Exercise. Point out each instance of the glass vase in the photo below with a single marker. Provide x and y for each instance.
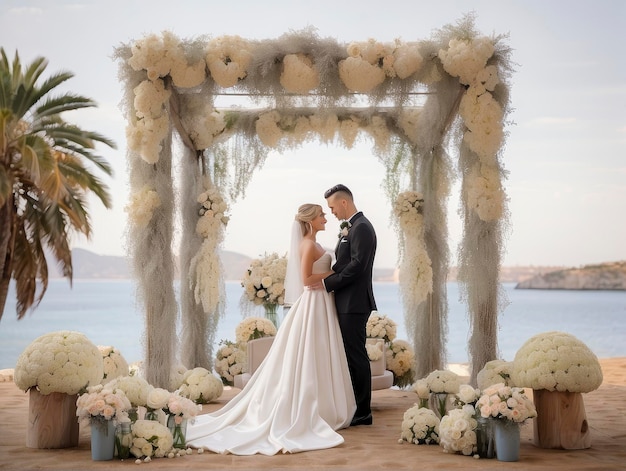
(102, 440)
(271, 313)
(178, 428)
(123, 440)
(485, 441)
(152, 415)
(439, 403)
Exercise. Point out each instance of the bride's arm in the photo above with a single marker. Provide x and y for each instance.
(308, 254)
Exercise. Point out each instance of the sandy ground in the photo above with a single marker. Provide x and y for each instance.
(373, 447)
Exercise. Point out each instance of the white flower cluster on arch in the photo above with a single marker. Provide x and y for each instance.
(416, 101)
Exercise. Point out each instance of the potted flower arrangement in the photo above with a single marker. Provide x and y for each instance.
(559, 368)
(511, 407)
(399, 358)
(254, 328)
(230, 361)
(443, 385)
(54, 368)
(201, 386)
(420, 426)
(102, 408)
(264, 283)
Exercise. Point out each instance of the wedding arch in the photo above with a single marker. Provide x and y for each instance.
(434, 109)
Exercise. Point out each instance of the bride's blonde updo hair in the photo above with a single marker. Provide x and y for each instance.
(306, 213)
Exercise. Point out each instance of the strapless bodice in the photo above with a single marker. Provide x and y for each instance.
(322, 264)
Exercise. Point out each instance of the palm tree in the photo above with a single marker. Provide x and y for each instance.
(46, 173)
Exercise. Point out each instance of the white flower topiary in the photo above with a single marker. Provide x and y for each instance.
(64, 362)
(556, 361)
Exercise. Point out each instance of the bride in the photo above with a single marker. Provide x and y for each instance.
(301, 393)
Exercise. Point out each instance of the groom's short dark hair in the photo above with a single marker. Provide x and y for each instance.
(331, 191)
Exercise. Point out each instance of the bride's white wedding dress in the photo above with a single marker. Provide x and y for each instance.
(298, 397)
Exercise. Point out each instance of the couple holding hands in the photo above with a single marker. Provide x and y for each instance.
(316, 377)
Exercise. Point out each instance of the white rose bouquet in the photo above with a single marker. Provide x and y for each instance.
(457, 431)
(379, 326)
(264, 281)
(114, 363)
(420, 426)
(400, 358)
(156, 402)
(63, 362)
(467, 395)
(200, 386)
(505, 402)
(102, 403)
(556, 361)
(231, 361)
(254, 328)
(423, 391)
(150, 438)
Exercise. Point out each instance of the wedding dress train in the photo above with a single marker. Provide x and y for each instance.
(298, 397)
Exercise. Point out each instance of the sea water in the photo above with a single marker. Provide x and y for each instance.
(108, 313)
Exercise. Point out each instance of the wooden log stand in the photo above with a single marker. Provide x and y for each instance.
(561, 421)
(52, 421)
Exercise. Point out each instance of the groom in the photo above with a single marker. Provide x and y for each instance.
(354, 296)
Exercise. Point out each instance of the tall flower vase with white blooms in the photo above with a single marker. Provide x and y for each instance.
(443, 385)
(264, 285)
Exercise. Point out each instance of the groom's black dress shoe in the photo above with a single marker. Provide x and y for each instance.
(365, 420)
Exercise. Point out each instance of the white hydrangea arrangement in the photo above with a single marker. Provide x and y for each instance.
(379, 326)
(101, 403)
(420, 387)
(505, 402)
(62, 362)
(231, 361)
(457, 431)
(400, 359)
(264, 281)
(114, 363)
(494, 372)
(135, 388)
(201, 386)
(254, 328)
(150, 438)
(556, 361)
(177, 374)
(420, 426)
(443, 381)
(299, 74)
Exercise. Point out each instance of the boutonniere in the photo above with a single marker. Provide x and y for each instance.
(344, 228)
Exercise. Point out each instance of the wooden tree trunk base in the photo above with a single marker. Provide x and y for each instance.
(52, 421)
(561, 421)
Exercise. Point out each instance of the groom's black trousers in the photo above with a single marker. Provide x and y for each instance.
(353, 332)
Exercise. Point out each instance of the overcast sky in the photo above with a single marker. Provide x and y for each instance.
(565, 151)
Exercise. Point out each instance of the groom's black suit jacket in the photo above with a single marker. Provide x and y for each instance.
(352, 280)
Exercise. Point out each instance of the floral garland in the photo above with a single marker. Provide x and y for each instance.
(380, 327)
(416, 274)
(206, 266)
(113, 362)
(63, 362)
(200, 386)
(483, 117)
(254, 328)
(231, 360)
(400, 361)
(264, 281)
(556, 361)
(420, 426)
(142, 205)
